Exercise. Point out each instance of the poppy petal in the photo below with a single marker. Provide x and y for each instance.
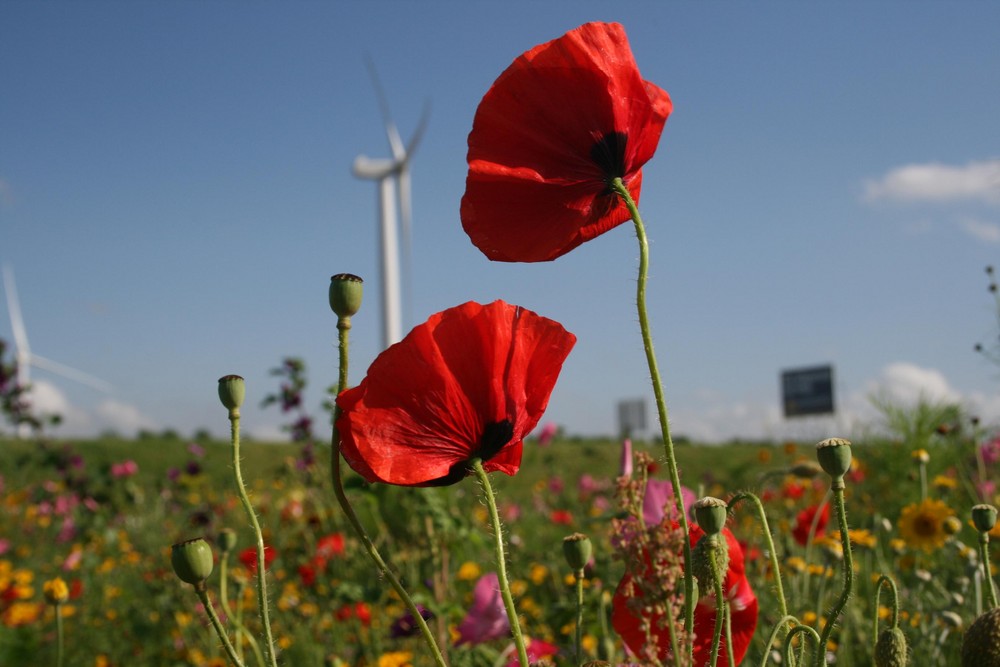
(470, 382)
(559, 123)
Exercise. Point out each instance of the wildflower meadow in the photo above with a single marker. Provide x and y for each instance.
(383, 535)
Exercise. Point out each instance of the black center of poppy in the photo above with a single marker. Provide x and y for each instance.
(495, 436)
(609, 154)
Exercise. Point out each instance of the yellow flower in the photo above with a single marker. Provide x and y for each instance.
(395, 659)
(21, 613)
(920, 456)
(945, 483)
(921, 525)
(538, 574)
(468, 571)
(796, 564)
(56, 591)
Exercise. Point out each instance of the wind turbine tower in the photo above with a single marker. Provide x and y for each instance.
(393, 177)
(24, 358)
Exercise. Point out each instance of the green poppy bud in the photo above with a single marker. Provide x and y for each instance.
(227, 540)
(232, 391)
(701, 564)
(984, 517)
(192, 561)
(981, 645)
(345, 294)
(805, 469)
(834, 455)
(710, 513)
(577, 549)
(890, 649)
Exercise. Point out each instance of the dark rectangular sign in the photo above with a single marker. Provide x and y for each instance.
(807, 391)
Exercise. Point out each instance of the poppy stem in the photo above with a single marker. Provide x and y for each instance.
(619, 187)
(234, 419)
(720, 598)
(848, 567)
(59, 635)
(343, 329)
(894, 619)
(206, 602)
(508, 599)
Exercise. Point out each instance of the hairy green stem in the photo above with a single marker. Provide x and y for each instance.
(508, 599)
(768, 539)
(788, 620)
(848, 567)
(262, 605)
(202, 592)
(619, 187)
(579, 614)
(343, 328)
(720, 598)
(984, 558)
(894, 620)
(806, 630)
(59, 635)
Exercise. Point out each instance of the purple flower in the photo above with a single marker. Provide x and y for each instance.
(990, 451)
(486, 619)
(406, 625)
(196, 449)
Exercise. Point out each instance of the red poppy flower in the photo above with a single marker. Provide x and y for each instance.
(330, 546)
(742, 605)
(804, 521)
(471, 382)
(555, 128)
(249, 557)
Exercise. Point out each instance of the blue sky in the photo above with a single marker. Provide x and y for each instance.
(176, 190)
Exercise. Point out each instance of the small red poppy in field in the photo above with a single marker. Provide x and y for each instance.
(469, 383)
(804, 521)
(742, 603)
(563, 121)
(330, 546)
(249, 557)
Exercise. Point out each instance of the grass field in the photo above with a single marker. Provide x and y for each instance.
(76, 511)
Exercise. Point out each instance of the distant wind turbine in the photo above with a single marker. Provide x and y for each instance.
(393, 176)
(24, 358)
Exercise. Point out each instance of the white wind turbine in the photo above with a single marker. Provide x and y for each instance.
(24, 358)
(393, 176)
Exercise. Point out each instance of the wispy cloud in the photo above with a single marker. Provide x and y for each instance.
(934, 182)
(980, 229)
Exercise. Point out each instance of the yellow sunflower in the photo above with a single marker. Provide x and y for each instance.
(922, 525)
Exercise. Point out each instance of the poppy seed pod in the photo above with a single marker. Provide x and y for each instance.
(805, 469)
(227, 540)
(232, 391)
(834, 455)
(192, 561)
(981, 645)
(711, 514)
(345, 294)
(577, 550)
(890, 649)
(984, 517)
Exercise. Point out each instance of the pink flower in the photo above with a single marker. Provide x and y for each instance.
(487, 619)
(626, 462)
(659, 501)
(124, 469)
(990, 451)
(546, 435)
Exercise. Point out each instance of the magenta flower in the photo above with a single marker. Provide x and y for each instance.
(546, 435)
(487, 619)
(990, 451)
(659, 501)
(124, 469)
(537, 649)
(625, 470)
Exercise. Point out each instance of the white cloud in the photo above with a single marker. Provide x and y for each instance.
(908, 383)
(123, 418)
(980, 229)
(47, 399)
(933, 182)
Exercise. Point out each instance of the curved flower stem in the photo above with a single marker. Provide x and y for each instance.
(787, 619)
(234, 419)
(845, 542)
(894, 622)
(768, 539)
(508, 600)
(237, 617)
(219, 630)
(984, 558)
(619, 187)
(806, 630)
(343, 329)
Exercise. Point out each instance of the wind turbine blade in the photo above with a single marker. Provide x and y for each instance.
(14, 308)
(395, 141)
(69, 373)
(418, 134)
